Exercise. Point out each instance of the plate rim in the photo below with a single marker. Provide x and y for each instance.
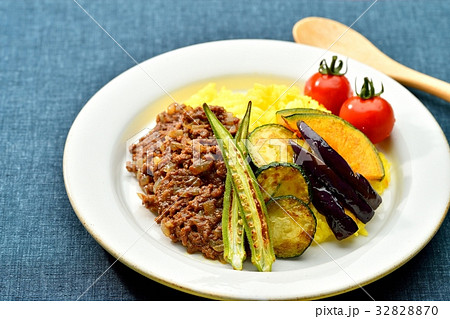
(129, 264)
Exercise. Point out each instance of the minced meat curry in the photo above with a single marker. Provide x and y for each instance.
(181, 171)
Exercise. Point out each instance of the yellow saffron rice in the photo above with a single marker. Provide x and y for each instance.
(266, 100)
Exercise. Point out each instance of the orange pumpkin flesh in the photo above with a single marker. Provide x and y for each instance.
(349, 142)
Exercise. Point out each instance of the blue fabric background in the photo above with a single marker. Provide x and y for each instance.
(53, 58)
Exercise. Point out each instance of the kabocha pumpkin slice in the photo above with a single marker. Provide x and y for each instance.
(297, 110)
(280, 179)
(270, 143)
(293, 226)
(349, 142)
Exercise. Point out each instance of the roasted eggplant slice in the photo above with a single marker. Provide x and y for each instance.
(326, 204)
(338, 164)
(349, 142)
(315, 168)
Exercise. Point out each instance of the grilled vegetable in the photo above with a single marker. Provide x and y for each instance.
(251, 203)
(280, 179)
(232, 228)
(269, 143)
(293, 226)
(339, 165)
(326, 204)
(355, 148)
(297, 110)
(315, 168)
(232, 224)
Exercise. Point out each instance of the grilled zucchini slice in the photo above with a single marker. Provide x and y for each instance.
(281, 179)
(293, 226)
(270, 143)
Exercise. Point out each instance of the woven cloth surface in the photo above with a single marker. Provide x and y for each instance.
(54, 57)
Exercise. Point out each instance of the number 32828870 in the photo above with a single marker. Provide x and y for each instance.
(406, 310)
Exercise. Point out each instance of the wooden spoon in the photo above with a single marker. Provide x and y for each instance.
(322, 32)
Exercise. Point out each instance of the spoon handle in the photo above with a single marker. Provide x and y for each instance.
(418, 80)
(321, 32)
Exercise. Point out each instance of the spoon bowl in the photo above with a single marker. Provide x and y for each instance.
(337, 37)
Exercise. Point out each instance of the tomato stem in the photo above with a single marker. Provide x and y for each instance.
(333, 69)
(368, 91)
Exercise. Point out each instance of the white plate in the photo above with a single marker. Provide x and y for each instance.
(103, 193)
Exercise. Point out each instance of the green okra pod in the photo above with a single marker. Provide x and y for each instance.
(252, 207)
(232, 224)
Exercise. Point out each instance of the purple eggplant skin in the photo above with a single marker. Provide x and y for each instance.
(339, 165)
(340, 223)
(314, 167)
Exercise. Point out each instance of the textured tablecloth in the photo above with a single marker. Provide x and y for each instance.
(53, 58)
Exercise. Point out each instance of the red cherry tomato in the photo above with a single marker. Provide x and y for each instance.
(370, 113)
(328, 86)
(329, 90)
